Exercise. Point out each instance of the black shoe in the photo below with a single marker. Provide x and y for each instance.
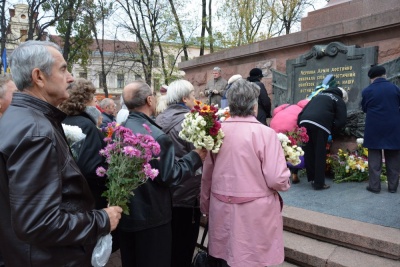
(325, 186)
(375, 191)
(392, 190)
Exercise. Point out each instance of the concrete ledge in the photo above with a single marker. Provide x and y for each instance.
(306, 251)
(365, 237)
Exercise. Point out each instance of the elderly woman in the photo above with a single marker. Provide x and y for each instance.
(240, 184)
(7, 88)
(185, 212)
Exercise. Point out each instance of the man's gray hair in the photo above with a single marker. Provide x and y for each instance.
(242, 96)
(217, 69)
(4, 79)
(177, 90)
(30, 55)
(139, 97)
(106, 102)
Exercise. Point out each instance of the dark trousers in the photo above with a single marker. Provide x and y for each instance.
(146, 248)
(185, 230)
(315, 154)
(392, 162)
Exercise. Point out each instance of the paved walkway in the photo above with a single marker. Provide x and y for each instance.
(347, 200)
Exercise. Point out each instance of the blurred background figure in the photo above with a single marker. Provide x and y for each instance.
(239, 187)
(264, 102)
(109, 108)
(7, 88)
(224, 100)
(215, 87)
(123, 113)
(163, 89)
(284, 120)
(185, 202)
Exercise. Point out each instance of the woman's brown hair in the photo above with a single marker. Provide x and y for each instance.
(81, 92)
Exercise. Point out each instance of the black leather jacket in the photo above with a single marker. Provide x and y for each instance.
(151, 204)
(186, 193)
(47, 216)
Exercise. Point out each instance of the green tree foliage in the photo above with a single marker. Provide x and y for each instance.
(75, 32)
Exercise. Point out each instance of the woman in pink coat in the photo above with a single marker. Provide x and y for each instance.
(284, 120)
(239, 187)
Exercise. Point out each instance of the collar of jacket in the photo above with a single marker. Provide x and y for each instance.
(141, 115)
(249, 119)
(27, 101)
(110, 116)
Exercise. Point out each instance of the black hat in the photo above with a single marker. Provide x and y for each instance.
(376, 71)
(256, 72)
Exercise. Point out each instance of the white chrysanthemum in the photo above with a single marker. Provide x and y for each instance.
(73, 133)
(360, 141)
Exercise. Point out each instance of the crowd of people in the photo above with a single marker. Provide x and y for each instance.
(53, 211)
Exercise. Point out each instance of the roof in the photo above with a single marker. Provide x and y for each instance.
(108, 45)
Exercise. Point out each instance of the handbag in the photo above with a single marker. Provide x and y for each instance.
(201, 258)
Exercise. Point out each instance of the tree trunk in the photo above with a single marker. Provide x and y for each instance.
(203, 26)
(178, 24)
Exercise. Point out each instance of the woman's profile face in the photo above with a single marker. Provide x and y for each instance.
(189, 101)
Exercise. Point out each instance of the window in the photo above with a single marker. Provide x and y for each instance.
(156, 61)
(120, 80)
(83, 75)
(101, 80)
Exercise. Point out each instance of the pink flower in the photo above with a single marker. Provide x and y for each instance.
(147, 128)
(101, 172)
(131, 152)
(149, 172)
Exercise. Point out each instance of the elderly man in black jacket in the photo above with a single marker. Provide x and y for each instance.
(47, 210)
(145, 234)
(324, 114)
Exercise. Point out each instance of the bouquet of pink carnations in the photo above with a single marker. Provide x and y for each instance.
(128, 156)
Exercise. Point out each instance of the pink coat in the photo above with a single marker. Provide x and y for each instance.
(284, 117)
(246, 227)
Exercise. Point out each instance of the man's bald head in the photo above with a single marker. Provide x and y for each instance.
(135, 95)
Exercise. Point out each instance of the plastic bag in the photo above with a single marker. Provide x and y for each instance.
(102, 251)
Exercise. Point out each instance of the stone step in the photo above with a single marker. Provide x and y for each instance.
(306, 251)
(337, 234)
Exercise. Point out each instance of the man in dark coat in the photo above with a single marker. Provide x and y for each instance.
(325, 114)
(47, 210)
(381, 102)
(145, 234)
(264, 102)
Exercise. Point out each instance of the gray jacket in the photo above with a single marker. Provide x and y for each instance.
(185, 193)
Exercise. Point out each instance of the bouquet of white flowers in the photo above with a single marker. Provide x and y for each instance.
(292, 152)
(75, 138)
(202, 128)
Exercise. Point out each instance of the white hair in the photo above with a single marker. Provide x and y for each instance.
(177, 90)
(234, 78)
